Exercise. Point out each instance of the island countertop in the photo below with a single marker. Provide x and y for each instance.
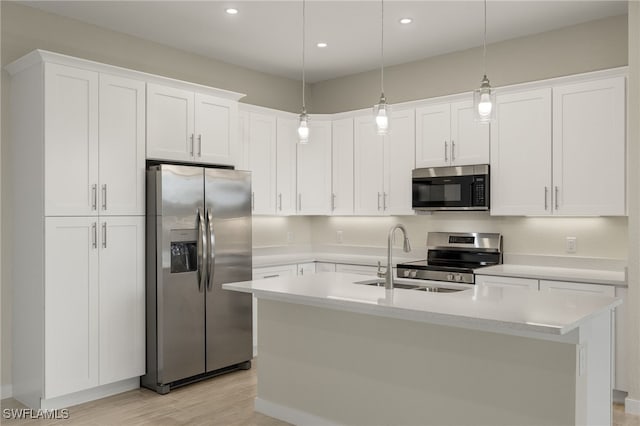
(501, 310)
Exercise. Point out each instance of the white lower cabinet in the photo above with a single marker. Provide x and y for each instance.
(510, 282)
(356, 269)
(94, 302)
(306, 268)
(325, 267)
(574, 287)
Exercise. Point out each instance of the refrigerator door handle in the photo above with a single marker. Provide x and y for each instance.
(201, 250)
(212, 251)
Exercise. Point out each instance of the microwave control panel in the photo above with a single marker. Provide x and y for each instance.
(479, 193)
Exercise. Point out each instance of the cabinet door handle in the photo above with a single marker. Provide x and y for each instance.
(446, 151)
(546, 197)
(200, 145)
(104, 234)
(300, 202)
(253, 201)
(280, 201)
(384, 201)
(333, 202)
(94, 235)
(453, 150)
(378, 201)
(191, 152)
(94, 197)
(556, 200)
(301, 271)
(104, 196)
(271, 276)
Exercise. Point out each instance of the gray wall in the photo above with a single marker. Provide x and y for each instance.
(586, 47)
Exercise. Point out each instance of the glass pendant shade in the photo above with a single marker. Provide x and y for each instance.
(484, 101)
(303, 129)
(382, 113)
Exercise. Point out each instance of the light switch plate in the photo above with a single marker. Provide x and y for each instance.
(571, 244)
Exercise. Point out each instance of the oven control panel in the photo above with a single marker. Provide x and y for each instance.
(456, 277)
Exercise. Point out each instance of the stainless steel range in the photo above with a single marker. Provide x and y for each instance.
(452, 257)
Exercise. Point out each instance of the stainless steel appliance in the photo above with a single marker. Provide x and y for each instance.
(198, 237)
(451, 188)
(452, 257)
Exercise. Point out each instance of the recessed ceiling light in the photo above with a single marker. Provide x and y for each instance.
(322, 44)
(406, 21)
(232, 11)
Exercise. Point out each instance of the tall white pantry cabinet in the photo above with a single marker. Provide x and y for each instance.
(78, 142)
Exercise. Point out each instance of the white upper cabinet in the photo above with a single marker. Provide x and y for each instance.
(286, 158)
(589, 163)
(121, 141)
(368, 167)
(566, 160)
(399, 162)
(521, 154)
(314, 170)
(169, 123)
(94, 143)
(262, 162)
(448, 135)
(187, 126)
(71, 141)
(216, 130)
(342, 167)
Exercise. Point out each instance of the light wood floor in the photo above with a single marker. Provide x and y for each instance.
(225, 400)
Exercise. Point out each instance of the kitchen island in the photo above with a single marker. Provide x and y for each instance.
(335, 352)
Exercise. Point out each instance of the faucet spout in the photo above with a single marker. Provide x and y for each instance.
(406, 247)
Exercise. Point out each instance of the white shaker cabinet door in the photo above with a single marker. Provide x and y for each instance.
(314, 170)
(122, 302)
(342, 167)
(262, 163)
(287, 139)
(469, 138)
(399, 162)
(71, 305)
(170, 123)
(122, 146)
(368, 168)
(216, 130)
(589, 162)
(521, 154)
(433, 141)
(71, 141)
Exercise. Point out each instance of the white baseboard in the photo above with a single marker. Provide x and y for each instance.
(290, 415)
(632, 406)
(89, 394)
(6, 391)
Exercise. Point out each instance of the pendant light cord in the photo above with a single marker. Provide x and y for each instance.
(382, 47)
(304, 109)
(484, 43)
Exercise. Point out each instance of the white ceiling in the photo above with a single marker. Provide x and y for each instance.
(266, 35)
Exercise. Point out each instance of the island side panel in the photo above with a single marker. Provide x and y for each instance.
(349, 368)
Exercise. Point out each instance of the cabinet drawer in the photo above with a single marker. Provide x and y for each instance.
(494, 281)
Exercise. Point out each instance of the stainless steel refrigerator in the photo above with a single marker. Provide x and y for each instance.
(198, 238)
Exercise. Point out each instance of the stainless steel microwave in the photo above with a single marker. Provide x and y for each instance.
(451, 188)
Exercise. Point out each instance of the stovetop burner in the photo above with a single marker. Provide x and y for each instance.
(454, 256)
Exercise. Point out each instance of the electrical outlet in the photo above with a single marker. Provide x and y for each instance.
(339, 236)
(571, 244)
(289, 236)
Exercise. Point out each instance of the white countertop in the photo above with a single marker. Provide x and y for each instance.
(502, 310)
(352, 259)
(553, 273)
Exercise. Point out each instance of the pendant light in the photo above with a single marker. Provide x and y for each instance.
(303, 127)
(484, 97)
(382, 110)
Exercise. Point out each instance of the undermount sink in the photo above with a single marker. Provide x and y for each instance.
(416, 287)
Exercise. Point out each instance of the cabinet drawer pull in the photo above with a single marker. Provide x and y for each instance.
(446, 151)
(453, 150)
(556, 201)
(191, 151)
(94, 197)
(271, 276)
(104, 196)
(378, 201)
(546, 197)
(280, 201)
(200, 145)
(384, 201)
(104, 234)
(94, 235)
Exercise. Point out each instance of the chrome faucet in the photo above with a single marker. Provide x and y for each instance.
(388, 274)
